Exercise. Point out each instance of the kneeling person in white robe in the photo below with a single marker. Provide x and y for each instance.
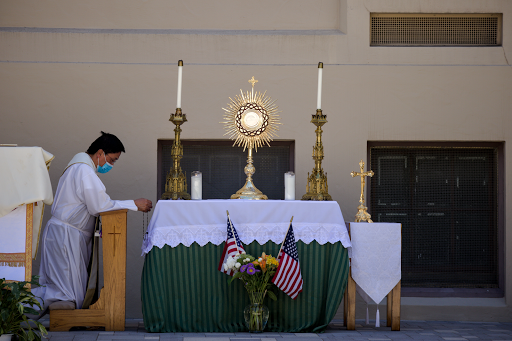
(67, 238)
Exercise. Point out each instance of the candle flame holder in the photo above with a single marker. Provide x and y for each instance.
(316, 188)
(176, 181)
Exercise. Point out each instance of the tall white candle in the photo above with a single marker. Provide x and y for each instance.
(289, 186)
(197, 185)
(319, 95)
(180, 72)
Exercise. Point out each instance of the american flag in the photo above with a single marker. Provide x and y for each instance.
(230, 247)
(288, 277)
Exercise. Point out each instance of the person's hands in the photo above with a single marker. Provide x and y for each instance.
(144, 205)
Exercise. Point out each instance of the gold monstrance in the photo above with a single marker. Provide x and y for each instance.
(176, 181)
(362, 214)
(251, 120)
(316, 188)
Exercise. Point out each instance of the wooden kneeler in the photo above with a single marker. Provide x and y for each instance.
(109, 310)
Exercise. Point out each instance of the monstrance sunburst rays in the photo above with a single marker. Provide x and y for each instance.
(251, 120)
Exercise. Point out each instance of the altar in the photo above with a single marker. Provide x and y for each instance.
(183, 291)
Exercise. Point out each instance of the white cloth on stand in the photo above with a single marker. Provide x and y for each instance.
(24, 179)
(67, 238)
(376, 259)
(13, 229)
(184, 222)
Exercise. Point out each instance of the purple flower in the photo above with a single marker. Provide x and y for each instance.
(251, 270)
(242, 269)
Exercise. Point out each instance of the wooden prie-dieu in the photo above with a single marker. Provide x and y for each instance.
(109, 310)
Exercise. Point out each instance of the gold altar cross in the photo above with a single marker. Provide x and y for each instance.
(252, 81)
(114, 233)
(362, 214)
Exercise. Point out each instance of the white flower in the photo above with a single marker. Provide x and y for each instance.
(243, 252)
(246, 260)
(225, 267)
(237, 265)
(260, 259)
(230, 262)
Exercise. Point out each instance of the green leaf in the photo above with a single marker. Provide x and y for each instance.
(4, 314)
(16, 291)
(272, 295)
(42, 329)
(15, 301)
(32, 311)
(20, 307)
(237, 275)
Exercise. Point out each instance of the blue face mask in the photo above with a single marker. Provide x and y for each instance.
(106, 167)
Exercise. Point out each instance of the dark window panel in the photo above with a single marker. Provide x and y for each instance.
(222, 166)
(447, 202)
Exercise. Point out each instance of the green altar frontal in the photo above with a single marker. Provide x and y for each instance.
(183, 290)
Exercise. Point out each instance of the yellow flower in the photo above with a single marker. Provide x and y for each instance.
(272, 261)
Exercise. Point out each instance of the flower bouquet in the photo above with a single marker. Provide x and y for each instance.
(255, 274)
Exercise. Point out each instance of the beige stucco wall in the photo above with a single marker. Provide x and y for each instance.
(66, 77)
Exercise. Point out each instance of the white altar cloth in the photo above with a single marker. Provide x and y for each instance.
(376, 258)
(184, 222)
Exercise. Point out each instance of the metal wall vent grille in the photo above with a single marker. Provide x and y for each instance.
(435, 29)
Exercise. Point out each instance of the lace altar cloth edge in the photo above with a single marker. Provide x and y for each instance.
(248, 233)
(165, 227)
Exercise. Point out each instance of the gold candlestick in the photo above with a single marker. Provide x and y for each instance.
(362, 214)
(316, 188)
(176, 181)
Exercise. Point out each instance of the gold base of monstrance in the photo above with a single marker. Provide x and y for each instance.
(249, 191)
(251, 121)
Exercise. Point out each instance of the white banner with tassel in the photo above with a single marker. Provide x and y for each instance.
(376, 260)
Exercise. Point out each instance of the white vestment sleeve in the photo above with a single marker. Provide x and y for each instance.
(97, 200)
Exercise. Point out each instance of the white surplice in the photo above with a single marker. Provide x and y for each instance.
(67, 238)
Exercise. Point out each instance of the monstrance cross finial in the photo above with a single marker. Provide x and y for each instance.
(252, 81)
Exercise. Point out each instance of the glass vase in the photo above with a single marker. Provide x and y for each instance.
(256, 317)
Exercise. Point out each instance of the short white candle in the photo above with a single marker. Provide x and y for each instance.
(197, 185)
(180, 73)
(319, 95)
(289, 186)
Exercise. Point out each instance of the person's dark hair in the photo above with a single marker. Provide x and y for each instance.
(108, 142)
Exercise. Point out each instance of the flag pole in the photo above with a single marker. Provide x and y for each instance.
(231, 227)
(279, 253)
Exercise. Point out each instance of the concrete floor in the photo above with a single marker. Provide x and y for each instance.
(409, 330)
